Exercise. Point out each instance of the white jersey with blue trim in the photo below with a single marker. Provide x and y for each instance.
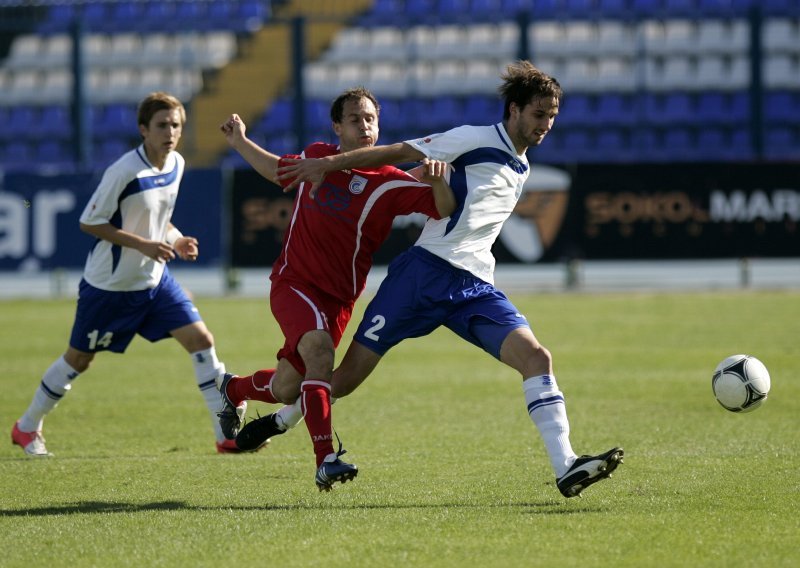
(136, 197)
(487, 180)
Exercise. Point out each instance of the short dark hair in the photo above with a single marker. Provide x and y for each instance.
(356, 93)
(522, 82)
(155, 102)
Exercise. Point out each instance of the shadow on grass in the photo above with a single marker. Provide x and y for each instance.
(94, 507)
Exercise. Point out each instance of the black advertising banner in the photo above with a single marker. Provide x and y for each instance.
(591, 212)
(261, 212)
(683, 211)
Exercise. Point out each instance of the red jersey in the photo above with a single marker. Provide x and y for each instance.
(331, 238)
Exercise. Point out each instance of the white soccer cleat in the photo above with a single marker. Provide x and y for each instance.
(31, 442)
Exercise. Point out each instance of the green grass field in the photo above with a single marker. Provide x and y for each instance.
(453, 472)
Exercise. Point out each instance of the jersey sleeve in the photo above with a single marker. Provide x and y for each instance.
(282, 162)
(104, 202)
(414, 197)
(447, 146)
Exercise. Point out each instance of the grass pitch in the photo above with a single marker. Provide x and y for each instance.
(453, 472)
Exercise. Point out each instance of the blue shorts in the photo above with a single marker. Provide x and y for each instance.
(422, 291)
(108, 321)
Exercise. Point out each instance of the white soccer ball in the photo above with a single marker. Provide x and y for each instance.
(741, 383)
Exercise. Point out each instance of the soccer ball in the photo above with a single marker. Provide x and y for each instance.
(740, 383)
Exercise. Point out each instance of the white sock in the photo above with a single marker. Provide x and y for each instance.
(206, 369)
(290, 415)
(56, 382)
(549, 413)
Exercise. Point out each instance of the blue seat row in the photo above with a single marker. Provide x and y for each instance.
(394, 12)
(241, 16)
(424, 115)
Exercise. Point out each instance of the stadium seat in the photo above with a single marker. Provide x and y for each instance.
(18, 155)
(55, 122)
(115, 120)
(59, 18)
(669, 109)
(576, 109)
(781, 106)
(614, 109)
(482, 110)
(53, 153)
(446, 113)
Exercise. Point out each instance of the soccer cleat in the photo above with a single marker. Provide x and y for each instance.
(588, 470)
(330, 472)
(230, 447)
(257, 432)
(231, 415)
(31, 442)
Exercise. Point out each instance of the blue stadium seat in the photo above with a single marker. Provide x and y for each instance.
(781, 106)
(482, 110)
(615, 109)
(158, 17)
(420, 11)
(613, 9)
(670, 108)
(384, 12)
(191, 15)
(284, 143)
(125, 16)
(713, 143)
(17, 155)
(781, 143)
(53, 153)
(780, 7)
(96, 16)
(613, 145)
(680, 8)
(391, 118)
(115, 120)
(453, 11)
(318, 116)
(278, 117)
(713, 107)
(647, 8)
(677, 144)
(576, 109)
(22, 122)
(107, 151)
(59, 18)
(577, 145)
(512, 8)
(446, 113)
(55, 122)
(488, 11)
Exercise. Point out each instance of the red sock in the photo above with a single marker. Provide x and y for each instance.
(316, 405)
(252, 387)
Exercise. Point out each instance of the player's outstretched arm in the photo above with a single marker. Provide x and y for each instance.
(313, 170)
(262, 161)
(156, 250)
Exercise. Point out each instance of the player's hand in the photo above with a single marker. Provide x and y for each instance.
(156, 250)
(187, 248)
(434, 171)
(234, 129)
(298, 171)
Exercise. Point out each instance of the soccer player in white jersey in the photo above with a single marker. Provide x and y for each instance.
(452, 262)
(126, 287)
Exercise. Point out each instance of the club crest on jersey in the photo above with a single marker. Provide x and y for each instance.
(358, 184)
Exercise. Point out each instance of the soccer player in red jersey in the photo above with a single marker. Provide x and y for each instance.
(322, 269)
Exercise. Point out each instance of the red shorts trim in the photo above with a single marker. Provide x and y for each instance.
(299, 308)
